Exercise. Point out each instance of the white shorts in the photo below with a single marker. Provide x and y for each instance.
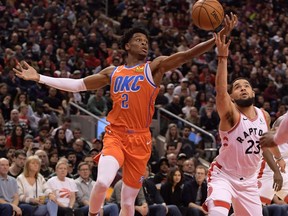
(224, 189)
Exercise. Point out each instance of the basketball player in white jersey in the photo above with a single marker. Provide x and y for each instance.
(232, 177)
(279, 137)
(265, 175)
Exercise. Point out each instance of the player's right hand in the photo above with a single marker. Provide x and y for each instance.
(24, 71)
(278, 181)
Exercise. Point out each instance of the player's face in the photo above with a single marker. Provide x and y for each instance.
(138, 45)
(242, 93)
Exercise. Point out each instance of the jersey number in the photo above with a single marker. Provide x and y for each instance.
(251, 150)
(124, 102)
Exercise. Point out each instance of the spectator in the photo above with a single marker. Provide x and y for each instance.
(17, 166)
(155, 202)
(188, 169)
(141, 206)
(172, 190)
(9, 197)
(195, 192)
(84, 184)
(97, 103)
(16, 139)
(66, 127)
(33, 189)
(3, 149)
(14, 120)
(45, 169)
(161, 176)
(173, 137)
(65, 190)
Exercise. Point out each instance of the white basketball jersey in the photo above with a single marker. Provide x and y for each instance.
(240, 152)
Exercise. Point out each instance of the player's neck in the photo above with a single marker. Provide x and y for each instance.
(132, 61)
(250, 111)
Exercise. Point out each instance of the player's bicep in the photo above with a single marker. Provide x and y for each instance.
(99, 80)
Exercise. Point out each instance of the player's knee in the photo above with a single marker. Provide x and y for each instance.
(101, 185)
(127, 206)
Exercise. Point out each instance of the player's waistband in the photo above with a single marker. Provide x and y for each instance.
(127, 130)
(215, 163)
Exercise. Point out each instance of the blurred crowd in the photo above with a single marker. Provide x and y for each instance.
(77, 38)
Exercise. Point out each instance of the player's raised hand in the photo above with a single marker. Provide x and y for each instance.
(267, 140)
(24, 71)
(222, 45)
(229, 23)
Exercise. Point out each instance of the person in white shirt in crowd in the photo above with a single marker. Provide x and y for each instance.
(33, 190)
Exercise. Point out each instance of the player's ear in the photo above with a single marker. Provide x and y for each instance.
(127, 46)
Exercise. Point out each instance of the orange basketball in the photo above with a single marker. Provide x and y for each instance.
(207, 14)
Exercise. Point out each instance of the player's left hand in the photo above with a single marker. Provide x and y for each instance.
(230, 22)
(278, 181)
(267, 140)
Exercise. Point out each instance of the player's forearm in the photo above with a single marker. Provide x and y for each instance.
(221, 75)
(270, 160)
(66, 84)
(281, 135)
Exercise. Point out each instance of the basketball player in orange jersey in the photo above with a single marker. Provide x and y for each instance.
(133, 87)
(232, 177)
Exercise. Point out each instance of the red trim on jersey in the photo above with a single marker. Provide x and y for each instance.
(265, 200)
(205, 207)
(261, 171)
(238, 122)
(222, 203)
(265, 117)
(286, 199)
(215, 163)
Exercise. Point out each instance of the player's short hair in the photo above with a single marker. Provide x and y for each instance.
(129, 34)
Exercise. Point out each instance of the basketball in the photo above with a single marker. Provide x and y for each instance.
(207, 14)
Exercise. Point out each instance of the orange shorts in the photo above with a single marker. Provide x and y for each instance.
(132, 149)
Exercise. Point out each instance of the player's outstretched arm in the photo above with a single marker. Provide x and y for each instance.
(27, 72)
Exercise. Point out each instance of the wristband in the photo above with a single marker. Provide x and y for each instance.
(278, 159)
(219, 56)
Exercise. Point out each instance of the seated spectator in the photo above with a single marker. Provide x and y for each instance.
(45, 169)
(141, 206)
(65, 190)
(85, 184)
(33, 189)
(161, 176)
(3, 149)
(195, 192)
(173, 137)
(172, 190)
(97, 104)
(188, 169)
(155, 202)
(17, 166)
(16, 138)
(9, 197)
(14, 121)
(61, 142)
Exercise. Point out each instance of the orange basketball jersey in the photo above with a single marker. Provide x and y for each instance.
(133, 93)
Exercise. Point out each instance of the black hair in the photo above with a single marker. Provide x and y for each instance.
(129, 34)
(238, 78)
